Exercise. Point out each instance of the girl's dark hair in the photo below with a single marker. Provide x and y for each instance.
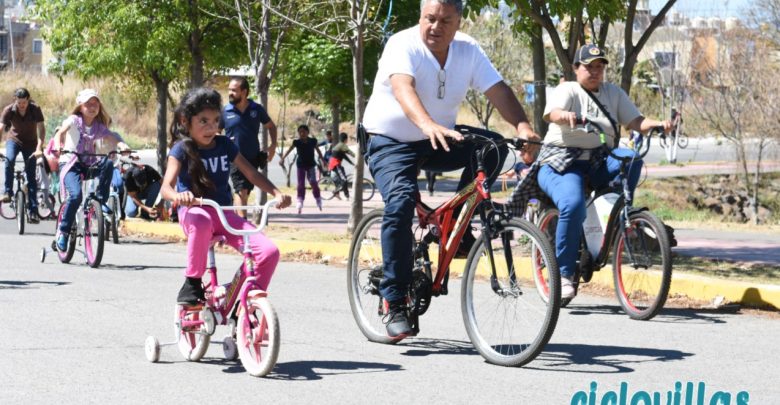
(191, 104)
(303, 126)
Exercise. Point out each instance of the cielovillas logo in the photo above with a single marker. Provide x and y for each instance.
(690, 394)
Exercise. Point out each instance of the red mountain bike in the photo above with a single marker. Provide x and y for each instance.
(506, 319)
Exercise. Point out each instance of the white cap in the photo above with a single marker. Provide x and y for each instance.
(85, 95)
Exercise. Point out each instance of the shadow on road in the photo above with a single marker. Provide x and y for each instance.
(691, 315)
(592, 359)
(427, 347)
(309, 370)
(16, 284)
(135, 267)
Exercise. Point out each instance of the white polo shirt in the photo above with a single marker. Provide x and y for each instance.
(467, 67)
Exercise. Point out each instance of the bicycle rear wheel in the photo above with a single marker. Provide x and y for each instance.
(327, 188)
(46, 203)
(93, 233)
(21, 212)
(547, 223)
(8, 210)
(257, 335)
(642, 266)
(506, 320)
(192, 341)
(682, 141)
(369, 188)
(364, 271)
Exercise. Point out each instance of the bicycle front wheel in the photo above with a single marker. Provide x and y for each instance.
(682, 141)
(369, 188)
(66, 255)
(364, 272)
(112, 226)
(642, 266)
(93, 233)
(506, 320)
(7, 210)
(257, 335)
(21, 212)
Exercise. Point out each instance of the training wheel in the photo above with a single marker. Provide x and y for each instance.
(43, 254)
(229, 348)
(152, 349)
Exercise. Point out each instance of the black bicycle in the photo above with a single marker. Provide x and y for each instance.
(642, 259)
(17, 208)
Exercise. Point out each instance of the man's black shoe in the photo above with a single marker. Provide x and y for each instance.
(397, 321)
(33, 218)
(465, 245)
(191, 293)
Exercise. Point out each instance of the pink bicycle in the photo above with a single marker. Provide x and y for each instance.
(240, 304)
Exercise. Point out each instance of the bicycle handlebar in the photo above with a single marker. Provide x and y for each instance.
(241, 232)
(479, 136)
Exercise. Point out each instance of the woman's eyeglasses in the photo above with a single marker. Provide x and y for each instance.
(442, 80)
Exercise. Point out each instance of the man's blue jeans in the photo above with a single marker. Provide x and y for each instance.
(11, 151)
(566, 189)
(394, 166)
(148, 196)
(72, 181)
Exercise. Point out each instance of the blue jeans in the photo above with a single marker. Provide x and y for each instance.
(566, 189)
(11, 151)
(394, 166)
(148, 196)
(72, 181)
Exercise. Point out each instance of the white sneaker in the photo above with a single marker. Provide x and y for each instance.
(299, 206)
(567, 288)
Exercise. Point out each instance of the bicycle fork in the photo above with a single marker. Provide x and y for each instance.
(506, 240)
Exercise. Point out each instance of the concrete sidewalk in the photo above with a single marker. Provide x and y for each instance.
(333, 219)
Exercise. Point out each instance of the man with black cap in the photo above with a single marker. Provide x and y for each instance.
(562, 170)
(142, 183)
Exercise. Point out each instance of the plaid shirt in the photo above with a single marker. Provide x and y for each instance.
(559, 158)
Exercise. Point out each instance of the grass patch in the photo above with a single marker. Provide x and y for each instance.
(738, 271)
(305, 234)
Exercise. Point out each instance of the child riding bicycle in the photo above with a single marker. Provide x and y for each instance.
(82, 132)
(340, 152)
(199, 166)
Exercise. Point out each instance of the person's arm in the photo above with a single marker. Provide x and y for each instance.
(284, 155)
(319, 153)
(168, 189)
(271, 127)
(643, 124)
(41, 139)
(60, 136)
(259, 180)
(138, 203)
(502, 97)
(405, 93)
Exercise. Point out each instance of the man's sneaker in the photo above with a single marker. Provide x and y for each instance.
(299, 206)
(62, 242)
(191, 293)
(33, 218)
(6, 198)
(319, 204)
(567, 288)
(465, 245)
(397, 321)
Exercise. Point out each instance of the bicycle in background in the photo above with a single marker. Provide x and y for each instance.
(17, 208)
(504, 317)
(253, 325)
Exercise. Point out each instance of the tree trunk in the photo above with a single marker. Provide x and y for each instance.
(262, 86)
(356, 46)
(335, 113)
(196, 65)
(540, 82)
(161, 87)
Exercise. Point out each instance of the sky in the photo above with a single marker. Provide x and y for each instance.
(707, 8)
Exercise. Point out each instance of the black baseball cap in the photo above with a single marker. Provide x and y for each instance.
(588, 53)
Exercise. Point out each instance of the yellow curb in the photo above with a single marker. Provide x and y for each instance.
(692, 286)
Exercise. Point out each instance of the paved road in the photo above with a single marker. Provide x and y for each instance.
(74, 335)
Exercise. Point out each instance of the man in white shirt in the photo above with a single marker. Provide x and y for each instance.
(423, 77)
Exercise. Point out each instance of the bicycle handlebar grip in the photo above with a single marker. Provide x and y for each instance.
(220, 212)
